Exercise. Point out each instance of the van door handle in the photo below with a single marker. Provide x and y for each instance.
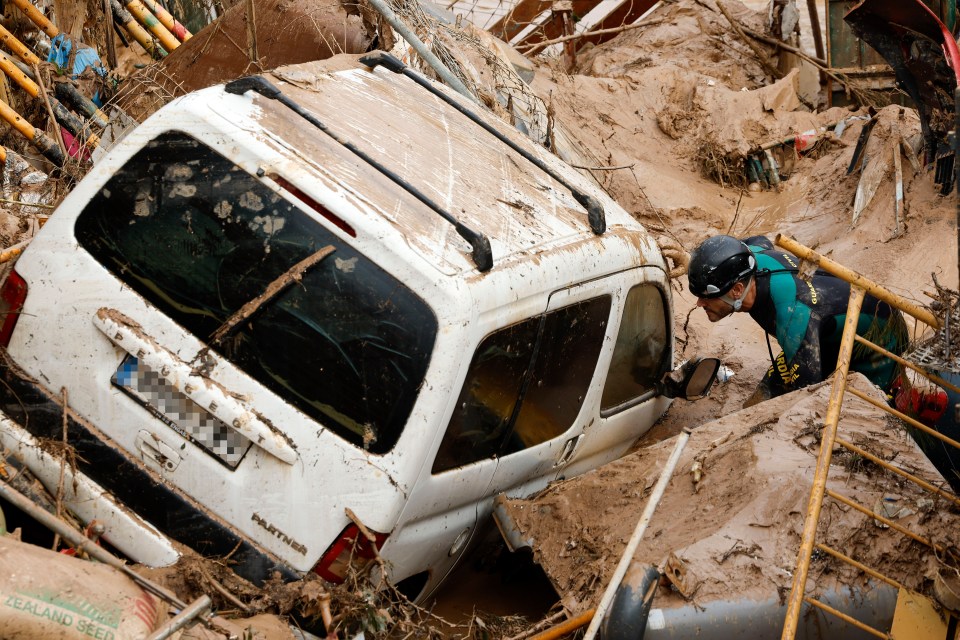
(569, 447)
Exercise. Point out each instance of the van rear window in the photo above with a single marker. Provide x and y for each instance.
(199, 238)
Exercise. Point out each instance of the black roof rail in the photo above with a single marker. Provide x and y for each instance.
(482, 255)
(595, 214)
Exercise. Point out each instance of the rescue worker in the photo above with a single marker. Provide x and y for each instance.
(806, 316)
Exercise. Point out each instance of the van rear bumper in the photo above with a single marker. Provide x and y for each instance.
(141, 513)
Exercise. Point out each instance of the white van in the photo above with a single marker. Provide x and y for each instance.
(333, 299)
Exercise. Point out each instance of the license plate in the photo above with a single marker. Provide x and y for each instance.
(179, 412)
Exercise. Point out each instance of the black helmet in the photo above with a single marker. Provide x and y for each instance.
(717, 264)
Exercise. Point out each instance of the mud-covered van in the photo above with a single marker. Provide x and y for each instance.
(322, 297)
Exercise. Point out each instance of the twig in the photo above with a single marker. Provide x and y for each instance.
(291, 275)
(222, 590)
(761, 57)
(817, 62)
(63, 467)
(546, 622)
(586, 34)
(53, 118)
(625, 166)
(783, 45)
(29, 204)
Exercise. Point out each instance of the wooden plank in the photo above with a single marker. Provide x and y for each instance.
(518, 18)
(627, 12)
(553, 27)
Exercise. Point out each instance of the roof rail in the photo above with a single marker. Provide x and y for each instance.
(595, 214)
(482, 255)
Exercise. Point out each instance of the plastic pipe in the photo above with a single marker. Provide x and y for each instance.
(18, 48)
(44, 145)
(37, 18)
(147, 19)
(137, 32)
(172, 24)
(638, 532)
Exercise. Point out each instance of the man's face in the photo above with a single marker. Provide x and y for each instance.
(716, 308)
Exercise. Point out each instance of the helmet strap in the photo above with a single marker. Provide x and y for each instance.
(736, 303)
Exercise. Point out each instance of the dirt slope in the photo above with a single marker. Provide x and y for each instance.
(740, 524)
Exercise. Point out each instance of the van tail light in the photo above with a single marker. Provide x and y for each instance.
(351, 551)
(12, 294)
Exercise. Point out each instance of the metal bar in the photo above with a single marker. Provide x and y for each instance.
(482, 254)
(197, 608)
(855, 278)
(627, 558)
(428, 56)
(926, 374)
(859, 565)
(890, 523)
(913, 423)
(846, 618)
(595, 213)
(81, 543)
(897, 470)
(823, 465)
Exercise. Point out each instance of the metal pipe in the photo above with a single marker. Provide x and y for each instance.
(79, 542)
(900, 472)
(855, 278)
(428, 56)
(197, 608)
(37, 18)
(859, 565)
(147, 19)
(564, 628)
(166, 19)
(638, 532)
(827, 438)
(595, 213)
(848, 619)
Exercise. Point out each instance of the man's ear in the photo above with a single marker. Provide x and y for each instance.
(736, 291)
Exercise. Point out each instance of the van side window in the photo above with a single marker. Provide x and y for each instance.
(526, 384)
(198, 237)
(640, 356)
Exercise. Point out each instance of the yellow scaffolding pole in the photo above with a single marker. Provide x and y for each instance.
(823, 464)
(859, 286)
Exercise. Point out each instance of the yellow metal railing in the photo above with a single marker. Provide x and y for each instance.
(859, 286)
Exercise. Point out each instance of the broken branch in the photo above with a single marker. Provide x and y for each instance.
(761, 57)
(291, 275)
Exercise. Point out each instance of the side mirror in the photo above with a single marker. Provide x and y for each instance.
(692, 380)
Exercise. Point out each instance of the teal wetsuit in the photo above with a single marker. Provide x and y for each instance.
(807, 318)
